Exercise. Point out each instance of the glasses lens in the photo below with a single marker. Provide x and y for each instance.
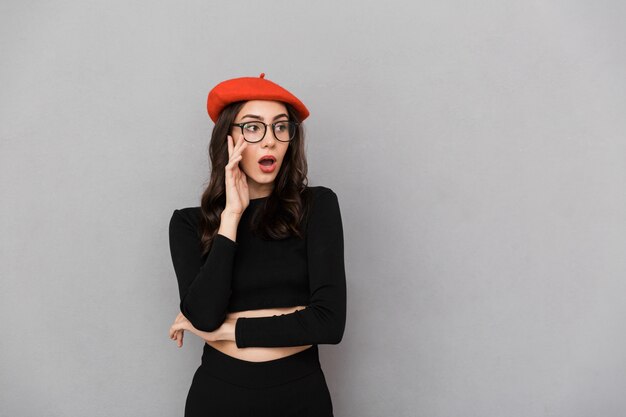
(253, 131)
(285, 131)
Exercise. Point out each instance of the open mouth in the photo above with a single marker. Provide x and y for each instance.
(267, 163)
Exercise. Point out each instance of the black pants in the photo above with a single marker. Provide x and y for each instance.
(292, 386)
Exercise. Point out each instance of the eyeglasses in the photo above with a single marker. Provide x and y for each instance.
(254, 132)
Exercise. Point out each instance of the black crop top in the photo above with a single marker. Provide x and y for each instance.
(252, 273)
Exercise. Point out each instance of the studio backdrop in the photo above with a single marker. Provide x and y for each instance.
(477, 150)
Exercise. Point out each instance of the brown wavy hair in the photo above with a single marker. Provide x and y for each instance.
(286, 208)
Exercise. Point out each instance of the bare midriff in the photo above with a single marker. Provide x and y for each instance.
(258, 354)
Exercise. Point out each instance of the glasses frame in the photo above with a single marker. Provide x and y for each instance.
(265, 125)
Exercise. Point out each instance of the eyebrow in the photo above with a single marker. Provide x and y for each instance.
(254, 116)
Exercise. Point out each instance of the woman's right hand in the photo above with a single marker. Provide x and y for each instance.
(237, 196)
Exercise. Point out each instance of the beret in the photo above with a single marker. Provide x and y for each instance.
(250, 88)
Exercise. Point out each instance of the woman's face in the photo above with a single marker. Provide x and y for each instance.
(261, 177)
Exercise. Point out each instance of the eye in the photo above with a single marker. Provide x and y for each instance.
(281, 126)
(251, 127)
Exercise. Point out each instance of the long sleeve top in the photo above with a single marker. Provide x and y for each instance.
(252, 273)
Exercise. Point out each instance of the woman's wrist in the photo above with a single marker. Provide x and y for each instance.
(227, 330)
(228, 225)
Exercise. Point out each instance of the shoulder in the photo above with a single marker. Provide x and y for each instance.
(318, 191)
(324, 199)
(324, 219)
(185, 217)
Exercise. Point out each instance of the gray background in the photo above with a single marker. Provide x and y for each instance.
(477, 149)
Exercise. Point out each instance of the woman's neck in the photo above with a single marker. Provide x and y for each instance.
(257, 192)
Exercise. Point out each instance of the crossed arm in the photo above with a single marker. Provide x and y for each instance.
(225, 332)
(205, 288)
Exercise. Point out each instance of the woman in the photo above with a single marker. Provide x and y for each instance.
(259, 263)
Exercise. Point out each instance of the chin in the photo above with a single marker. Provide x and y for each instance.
(265, 181)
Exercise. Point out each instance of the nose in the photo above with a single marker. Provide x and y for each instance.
(269, 139)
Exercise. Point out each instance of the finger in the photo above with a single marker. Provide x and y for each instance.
(239, 149)
(241, 143)
(241, 182)
(234, 159)
(173, 329)
(233, 162)
(229, 140)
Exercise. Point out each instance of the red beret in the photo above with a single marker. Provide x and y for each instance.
(250, 88)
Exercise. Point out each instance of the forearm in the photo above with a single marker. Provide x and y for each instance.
(228, 330)
(225, 332)
(316, 324)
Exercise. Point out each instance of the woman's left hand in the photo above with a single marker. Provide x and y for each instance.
(181, 323)
(177, 330)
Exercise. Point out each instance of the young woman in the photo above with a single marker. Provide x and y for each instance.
(260, 263)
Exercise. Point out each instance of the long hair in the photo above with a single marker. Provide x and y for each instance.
(284, 210)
